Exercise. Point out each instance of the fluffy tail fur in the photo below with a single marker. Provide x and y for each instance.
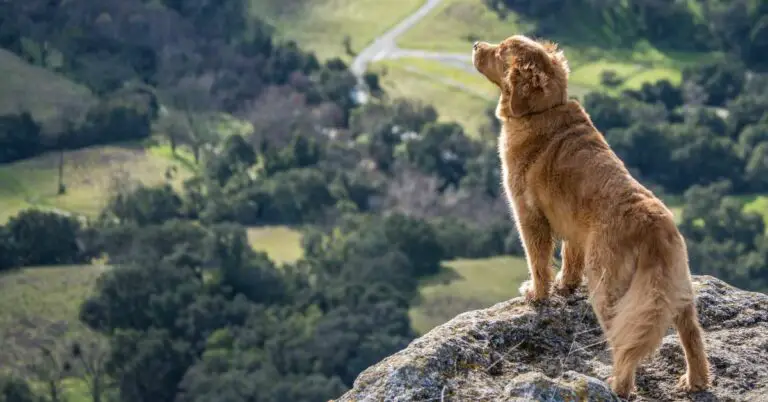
(644, 313)
(658, 290)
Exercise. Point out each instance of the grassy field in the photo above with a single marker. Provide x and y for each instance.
(88, 175)
(472, 81)
(321, 25)
(467, 285)
(281, 243)
(46, 102)
(452, 104)
(455, 24)
(42, 303)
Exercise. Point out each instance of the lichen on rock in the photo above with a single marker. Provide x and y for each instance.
(554, 351)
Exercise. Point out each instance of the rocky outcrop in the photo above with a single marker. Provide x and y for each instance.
(555, 352)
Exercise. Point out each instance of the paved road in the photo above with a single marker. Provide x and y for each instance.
(385, 44)
(385, 47)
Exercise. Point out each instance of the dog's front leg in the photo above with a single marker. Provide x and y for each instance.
(536, 236)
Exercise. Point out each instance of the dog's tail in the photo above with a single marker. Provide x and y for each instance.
(655, 295)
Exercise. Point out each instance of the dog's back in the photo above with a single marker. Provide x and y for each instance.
(565, 168)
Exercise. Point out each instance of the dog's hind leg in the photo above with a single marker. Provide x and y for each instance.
(572, 271)
(696, 377)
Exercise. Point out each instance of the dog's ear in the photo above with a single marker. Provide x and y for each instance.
(525, 82)
(557, 54)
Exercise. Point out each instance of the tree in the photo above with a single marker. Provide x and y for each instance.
(149, 365)
(91, 356)
(756, 171)
(8, 253)
(19, 137)
(145, 205)
(721, 80)
(15, 389)
(610, 78)
(724, 240)
(606, 111)
(194, 107)
(45, 238)
(50, 368)
(441, 149)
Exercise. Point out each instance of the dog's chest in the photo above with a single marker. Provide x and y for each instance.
(513, 166)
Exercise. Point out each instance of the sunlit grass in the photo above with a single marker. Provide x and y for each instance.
(466, 285)
(455, 24)
(451, 103)
(281, 243)
(320, 26)
(88, 175)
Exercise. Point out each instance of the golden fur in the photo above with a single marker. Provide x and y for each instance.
(564, 182)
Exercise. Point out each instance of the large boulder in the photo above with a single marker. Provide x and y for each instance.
(554, 351)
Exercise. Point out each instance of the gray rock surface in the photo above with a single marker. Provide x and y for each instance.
(554, 351)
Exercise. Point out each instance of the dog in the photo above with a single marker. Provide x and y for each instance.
(563, 182)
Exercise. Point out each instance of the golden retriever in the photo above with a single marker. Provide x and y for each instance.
(564, 182)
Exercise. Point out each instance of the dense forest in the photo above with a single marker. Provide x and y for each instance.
(735, 27)
(384, 192)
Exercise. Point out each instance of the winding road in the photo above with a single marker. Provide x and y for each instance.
(385, 47)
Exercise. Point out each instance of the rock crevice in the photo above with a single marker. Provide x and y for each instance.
(555, 351)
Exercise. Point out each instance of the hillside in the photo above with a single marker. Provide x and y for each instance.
(430, 59)
(45, 94)
(90, 175)
(322, 26)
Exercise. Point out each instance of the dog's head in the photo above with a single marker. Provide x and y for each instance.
(532, 75)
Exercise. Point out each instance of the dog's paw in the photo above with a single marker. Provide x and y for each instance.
(685, 384)
(563, 289)
(531, 293)
(622, 392)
